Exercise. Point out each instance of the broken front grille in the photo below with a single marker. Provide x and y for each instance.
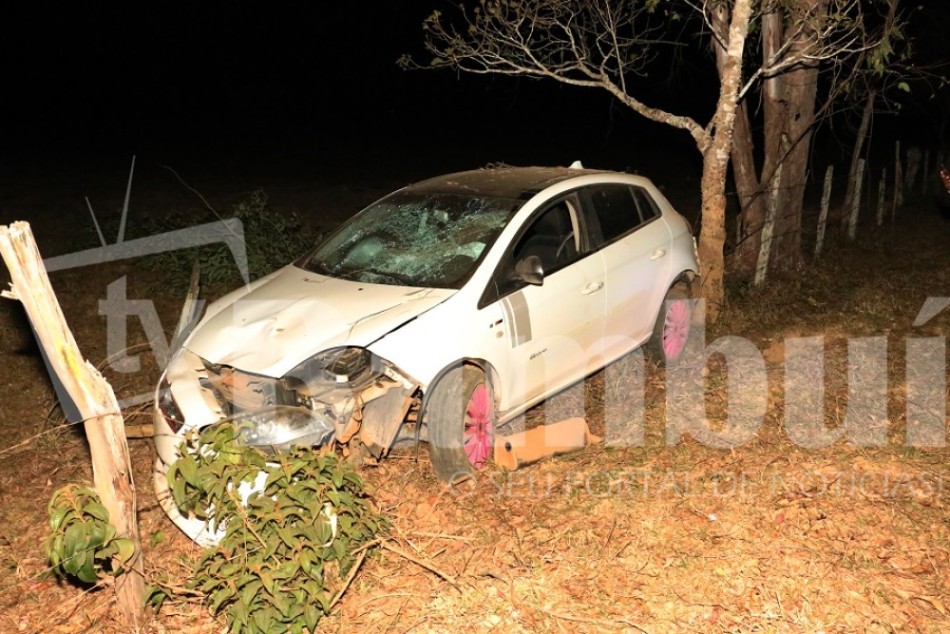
(238, 391)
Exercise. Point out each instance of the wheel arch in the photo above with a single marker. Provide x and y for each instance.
(485, 366)
(689, 277)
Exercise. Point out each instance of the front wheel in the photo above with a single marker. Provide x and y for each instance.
(673, 325)
(460, 416)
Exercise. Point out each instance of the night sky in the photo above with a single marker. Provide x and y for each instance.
(313, 80)
(88, 78)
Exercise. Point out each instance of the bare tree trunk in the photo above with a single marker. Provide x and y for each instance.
(881, 189)
(773, 96)
(88, 393)
(914, 156)
(788, 104)
(856, 153)
(768, 229)
(716, 161)
(898, 182)
(801, 91)
(856, 201)
(752, 200)
(799, 95)
(823, 215)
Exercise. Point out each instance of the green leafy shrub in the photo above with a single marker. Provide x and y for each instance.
(272, 239)
(286, 552)
(82, 544)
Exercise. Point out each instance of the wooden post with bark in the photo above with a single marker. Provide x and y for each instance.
(91, 396)
(823, 215)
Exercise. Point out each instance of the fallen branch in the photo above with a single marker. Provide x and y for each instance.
(422, 564)
(619, 624)
(349, 578)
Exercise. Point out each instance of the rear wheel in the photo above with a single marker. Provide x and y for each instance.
(460, 416)
(673, 325)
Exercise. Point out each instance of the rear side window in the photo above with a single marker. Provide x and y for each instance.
(615, 209)
(648, 207)
(618, 210)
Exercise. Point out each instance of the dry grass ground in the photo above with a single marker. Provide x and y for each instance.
(763, 537)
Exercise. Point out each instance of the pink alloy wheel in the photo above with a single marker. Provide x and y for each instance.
(676, 328)
(479, 427)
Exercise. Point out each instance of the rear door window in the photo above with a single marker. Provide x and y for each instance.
(617, 210)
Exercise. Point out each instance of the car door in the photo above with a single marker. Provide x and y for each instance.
(552, 326)
(634, 245)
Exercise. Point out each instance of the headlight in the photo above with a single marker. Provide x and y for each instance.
(277, 428)
(337, 366)
(168, 407)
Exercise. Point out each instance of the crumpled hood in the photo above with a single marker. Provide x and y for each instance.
(294, 314)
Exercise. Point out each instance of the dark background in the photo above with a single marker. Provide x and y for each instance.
(262, 88)
(287, 81)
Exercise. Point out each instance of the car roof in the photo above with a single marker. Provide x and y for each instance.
(501, 182)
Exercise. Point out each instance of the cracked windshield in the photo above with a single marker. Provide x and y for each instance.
(415, 239)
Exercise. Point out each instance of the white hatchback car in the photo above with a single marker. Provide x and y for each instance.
(440, 312)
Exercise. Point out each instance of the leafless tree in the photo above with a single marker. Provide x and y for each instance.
(609, 45)
(605, 45)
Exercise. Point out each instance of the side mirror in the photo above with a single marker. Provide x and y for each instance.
(530, 270)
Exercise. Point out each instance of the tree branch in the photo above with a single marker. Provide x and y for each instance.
(587, 44)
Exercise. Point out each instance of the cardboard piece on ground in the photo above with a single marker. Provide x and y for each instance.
(547, 440)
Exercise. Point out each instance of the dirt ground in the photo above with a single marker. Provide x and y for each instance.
(763, 537)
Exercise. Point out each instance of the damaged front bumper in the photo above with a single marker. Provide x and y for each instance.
(273, 414)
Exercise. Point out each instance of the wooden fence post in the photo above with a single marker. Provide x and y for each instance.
(881, 192)
(90, 395)
(768, 228)
(823, 216)
(898, 181)
(856, 202)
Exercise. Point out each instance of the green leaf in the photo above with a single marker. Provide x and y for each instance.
(311, 616)
(219, 597)
(74, 539)
(238, 614)
(325, 599)
(156, 538)
(155, 596)
(282, 604)
(57, 515)
(97, 510)
(87, 573)
(126, 549)
(263, 620)
(188, 469)
(249, 592)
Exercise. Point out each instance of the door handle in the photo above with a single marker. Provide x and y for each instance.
(591, 288)
(659, 253)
